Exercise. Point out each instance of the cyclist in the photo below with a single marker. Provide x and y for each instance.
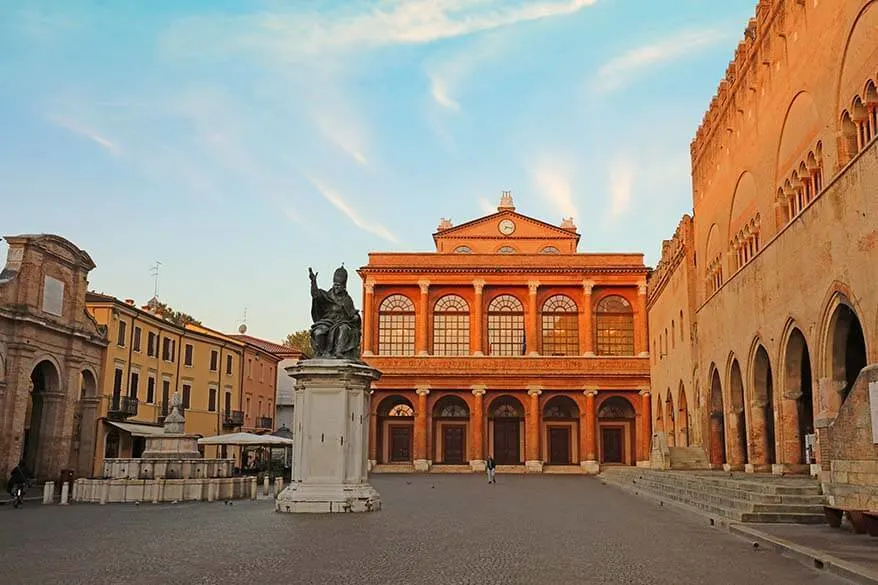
(18, 479)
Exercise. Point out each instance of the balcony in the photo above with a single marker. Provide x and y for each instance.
(121, 407)
(233, 418)
(264, 422)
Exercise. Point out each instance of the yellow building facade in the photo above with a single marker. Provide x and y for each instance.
(147, 360)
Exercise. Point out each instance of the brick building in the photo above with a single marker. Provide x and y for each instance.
(51, 352)
(764, 309)
(507, 341)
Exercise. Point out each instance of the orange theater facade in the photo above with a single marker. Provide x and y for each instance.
(506, 341)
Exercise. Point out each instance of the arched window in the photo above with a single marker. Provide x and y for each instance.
(506, 326)
(550, 250)
(451, 326)
(401, 410)
(506, 250)
(463, 250)
(615, 327)
(560, 326)
(396, 326)
(506, 407)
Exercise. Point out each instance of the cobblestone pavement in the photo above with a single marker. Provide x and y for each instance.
(554, 530)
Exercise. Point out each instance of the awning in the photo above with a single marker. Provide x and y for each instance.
(137, 430)
(245, 439)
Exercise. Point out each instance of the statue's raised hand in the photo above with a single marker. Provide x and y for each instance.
(312, 275)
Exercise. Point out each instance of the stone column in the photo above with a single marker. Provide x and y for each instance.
(422, 318)
(477, 429)
(645, 427)
(373, 440)
(737, 449)
(533, 462)
(588, 436)
(532, 326)
(586, 320)
(368, 316)
(475, 323)
(758, 438)
(717, 440)
(420, 461)
(640, 325)
(792, 446)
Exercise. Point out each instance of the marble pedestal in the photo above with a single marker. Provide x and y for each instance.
(330, 456)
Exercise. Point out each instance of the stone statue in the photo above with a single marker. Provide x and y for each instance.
(335, 333)
(175, 422)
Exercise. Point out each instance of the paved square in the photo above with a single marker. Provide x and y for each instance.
(437, 529)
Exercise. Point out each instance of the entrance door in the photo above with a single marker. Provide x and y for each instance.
(612, 445)
(506, 442)
(452, 445)
(559, 445)
(400, 444)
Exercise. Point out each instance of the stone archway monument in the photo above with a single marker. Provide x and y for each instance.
(331, 414)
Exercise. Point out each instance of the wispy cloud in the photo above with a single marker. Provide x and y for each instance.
(80, 129)
(486, 206)
(621, 184)
(339, 203)
(619, 71)
(45, 25)
(301, 33)
(553, 182)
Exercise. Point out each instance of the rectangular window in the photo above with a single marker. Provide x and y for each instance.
(187, 395)
(214, 360)
(249, 368)
(150, 390)
(166, 349)
(173, 350)
(152, 349)
(247, 410)
(117, 382)
(187, 355)
(120, 341)
(134, 383)
(136, 341)
(396, 333)
(261, 371)
(166, 397)
(211, 400)
(228, 364)
(228, 403)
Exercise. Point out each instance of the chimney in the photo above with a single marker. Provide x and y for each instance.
(506, 201)
(129, 302)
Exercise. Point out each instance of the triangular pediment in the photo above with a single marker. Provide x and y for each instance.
(506, 228)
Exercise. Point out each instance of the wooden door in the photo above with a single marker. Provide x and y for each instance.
(400, 444)
(506, 442)
(452, 445)
(559, 445)
(612, 445)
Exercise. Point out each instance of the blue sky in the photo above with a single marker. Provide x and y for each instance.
(238, 142)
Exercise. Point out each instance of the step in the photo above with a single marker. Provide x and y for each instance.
(393, 468)
(738, 492)
(447, 468)
(562, 469)
(770, 484)
(743, 496)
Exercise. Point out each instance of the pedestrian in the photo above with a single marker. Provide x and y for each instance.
(491, 467)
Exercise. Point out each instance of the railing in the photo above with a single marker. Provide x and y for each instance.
(264, 422)
(122, 407)
(233, 418)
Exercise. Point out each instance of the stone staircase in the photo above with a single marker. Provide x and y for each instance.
(739, 497)
(688, 458)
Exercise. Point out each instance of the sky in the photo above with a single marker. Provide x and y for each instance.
(238, 142)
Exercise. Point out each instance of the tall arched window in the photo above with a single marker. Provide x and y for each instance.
(396, 326)
(615, 327)
(451, 326)
(506, 326)
(560, 326)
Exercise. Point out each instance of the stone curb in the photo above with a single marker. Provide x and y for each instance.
(806, 555)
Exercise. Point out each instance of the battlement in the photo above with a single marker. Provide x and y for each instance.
(673, 251)
(753, 58)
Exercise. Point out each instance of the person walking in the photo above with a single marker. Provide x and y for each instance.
(491, 467)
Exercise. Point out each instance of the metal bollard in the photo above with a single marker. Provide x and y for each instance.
(49, 492)
(65, 493)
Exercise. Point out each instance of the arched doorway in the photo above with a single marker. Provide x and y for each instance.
(798, 399)
(40, 418)
(616, 417)
(682, 418)
(450, 424)
(737, 418)
(717, 421)
(762, 411)
(561, 421)
(670, 422)
(84, 421)
(396, 419)
(847, 350)
(505, 417)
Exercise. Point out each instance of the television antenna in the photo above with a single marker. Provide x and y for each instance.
(154, 271)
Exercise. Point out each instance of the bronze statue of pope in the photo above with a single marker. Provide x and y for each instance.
(335, 333)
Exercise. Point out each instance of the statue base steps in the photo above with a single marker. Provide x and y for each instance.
(323, 499)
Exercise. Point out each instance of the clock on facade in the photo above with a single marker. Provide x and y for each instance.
(506, 227)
